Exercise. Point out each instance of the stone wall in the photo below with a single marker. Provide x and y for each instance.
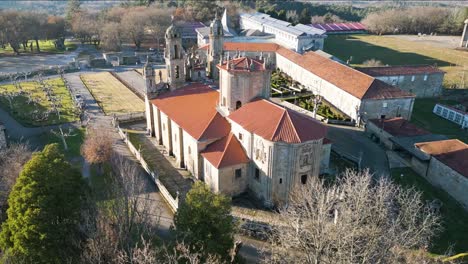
(325, 162)
(449, 180)
(230, 184)
(400, 107)
(419, 166)
(382, 135)
(422, 85)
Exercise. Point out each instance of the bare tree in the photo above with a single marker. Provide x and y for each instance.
(97, 147)
(12, 160)
(125, 220)
(64, 135)
(358, 219)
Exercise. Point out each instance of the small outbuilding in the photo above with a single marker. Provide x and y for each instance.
(421, 80)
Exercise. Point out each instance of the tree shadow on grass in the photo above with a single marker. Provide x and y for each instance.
(344, 47)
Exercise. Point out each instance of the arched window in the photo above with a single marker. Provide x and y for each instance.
(177, 72)
(176, 52)
(238, 105)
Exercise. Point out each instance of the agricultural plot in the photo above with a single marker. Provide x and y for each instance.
(38, 103)
(398, 51)
(111, 95)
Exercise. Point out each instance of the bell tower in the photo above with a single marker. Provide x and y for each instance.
(215, 52)
(150, 93)
(174, 56)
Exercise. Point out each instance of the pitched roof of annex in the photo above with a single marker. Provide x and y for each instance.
(225, 152)
(354, 82)
(277, 123)
(400, 70)
(193, 108)
(399, 127)
(451, 152)
(246, 46)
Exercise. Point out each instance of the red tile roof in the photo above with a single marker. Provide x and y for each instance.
(451, 152)
(250, 46)
(399, 127)
(243, 64)
(246, 46)
(225, 152)
(400, 70)
(276, 123)
(356, 83)
(193, 108)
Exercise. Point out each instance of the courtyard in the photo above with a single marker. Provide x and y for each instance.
(35, 104)
(111, 95)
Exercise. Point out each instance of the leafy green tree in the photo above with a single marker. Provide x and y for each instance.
(204, 221)
(46, 205)
(304, 17)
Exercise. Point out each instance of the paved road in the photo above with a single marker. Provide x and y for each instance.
(353, 141)
(98, 120)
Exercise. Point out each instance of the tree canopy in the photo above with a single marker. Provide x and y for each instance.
(45, 205)
(204, 222)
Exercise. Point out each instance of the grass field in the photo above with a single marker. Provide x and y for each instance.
(74, 142)
(23, 111)
(396, 51)
(454, 218)
(423, 117)
(112, 96)
(46, 46)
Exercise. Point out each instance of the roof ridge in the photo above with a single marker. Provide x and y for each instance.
(294, 127)
(228, 142)
(209, 123)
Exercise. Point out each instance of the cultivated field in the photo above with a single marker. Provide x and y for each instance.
(31, 105)
(112, 96)
(399, 51)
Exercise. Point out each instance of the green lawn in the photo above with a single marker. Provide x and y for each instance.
(27, 112)
(46, 46)
(455, 219)
(73, 142)
(423, 117)
(395, 51)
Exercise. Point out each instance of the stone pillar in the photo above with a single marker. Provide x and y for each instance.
(464, 39)
(3, 141)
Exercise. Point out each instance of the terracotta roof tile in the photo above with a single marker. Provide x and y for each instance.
(193, 108)
(356, 83)
(400, 70)
(246, 46)
(276, 123)
(243, 64)
(381, 90)
(451, 152)
(399, 127)
(225, 152)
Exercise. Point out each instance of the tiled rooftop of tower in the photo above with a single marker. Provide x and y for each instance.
(243, 64)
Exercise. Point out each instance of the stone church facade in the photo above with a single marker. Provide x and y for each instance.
(233, 138)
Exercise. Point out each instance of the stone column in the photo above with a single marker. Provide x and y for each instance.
(464, 38)
(3, 141)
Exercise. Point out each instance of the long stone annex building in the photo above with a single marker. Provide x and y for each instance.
(232, 138)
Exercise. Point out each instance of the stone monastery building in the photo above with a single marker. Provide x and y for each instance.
(232, 138)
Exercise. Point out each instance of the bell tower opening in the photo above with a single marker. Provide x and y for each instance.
(238, 104)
